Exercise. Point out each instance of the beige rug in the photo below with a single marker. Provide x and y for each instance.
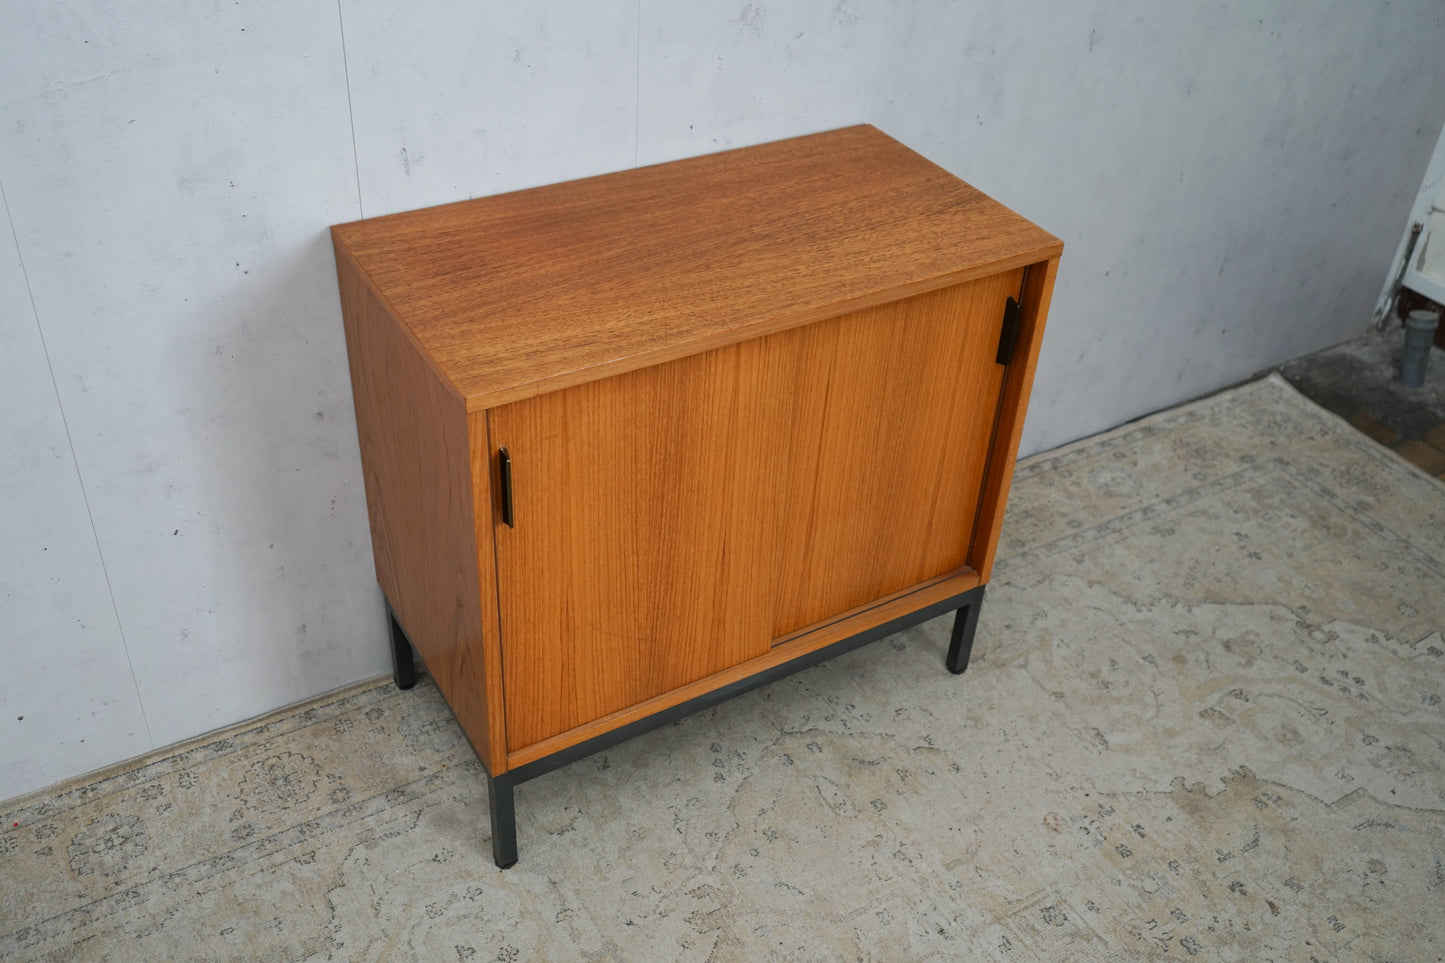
(1203, 720)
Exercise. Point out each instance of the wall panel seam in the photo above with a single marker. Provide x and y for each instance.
(350, 110)
(75, 461)
(636, 90)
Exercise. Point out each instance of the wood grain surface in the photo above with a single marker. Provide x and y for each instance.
(677, 520)
(893, 412)
(416, 461)
(801, 643)
(642, 558)
(522, 293)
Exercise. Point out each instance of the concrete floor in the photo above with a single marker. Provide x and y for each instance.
(1359, 380)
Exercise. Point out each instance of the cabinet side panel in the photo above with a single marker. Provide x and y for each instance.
(416, 459)
(1013, 404)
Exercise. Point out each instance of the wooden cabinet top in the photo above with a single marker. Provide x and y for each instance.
(513, 295)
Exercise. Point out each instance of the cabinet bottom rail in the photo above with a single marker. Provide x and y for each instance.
(966, 606)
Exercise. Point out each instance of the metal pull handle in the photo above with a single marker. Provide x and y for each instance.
(1009, 334)
(505, 465)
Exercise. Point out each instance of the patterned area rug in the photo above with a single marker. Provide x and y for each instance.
(1203, 720)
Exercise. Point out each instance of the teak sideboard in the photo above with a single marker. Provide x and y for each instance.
(637, 443)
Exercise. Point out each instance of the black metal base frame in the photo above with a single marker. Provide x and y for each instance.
(499, 788)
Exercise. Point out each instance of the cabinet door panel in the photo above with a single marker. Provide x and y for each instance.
(637, 564)
(893, 414)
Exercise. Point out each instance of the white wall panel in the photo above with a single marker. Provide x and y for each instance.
(171, 170)
(1228, 180)
(67, 700)
(720, 75)
(458, 100)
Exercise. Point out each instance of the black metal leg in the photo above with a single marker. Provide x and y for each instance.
(965, 623)
(504, 821)
(403, 663)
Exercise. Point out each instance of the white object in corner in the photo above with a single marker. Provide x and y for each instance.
(1426, 272)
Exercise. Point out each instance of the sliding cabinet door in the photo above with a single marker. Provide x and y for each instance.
(646, 512)
(894, 410)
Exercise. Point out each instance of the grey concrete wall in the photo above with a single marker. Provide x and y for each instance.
(180, 497)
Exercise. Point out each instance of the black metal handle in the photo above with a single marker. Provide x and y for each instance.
(1009, 334)
(505, 465)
